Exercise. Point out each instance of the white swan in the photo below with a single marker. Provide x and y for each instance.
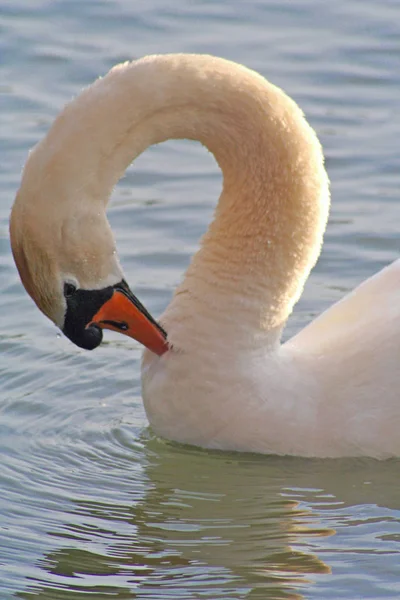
(227, 382)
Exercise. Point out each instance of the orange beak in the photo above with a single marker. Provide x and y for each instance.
(124, 313)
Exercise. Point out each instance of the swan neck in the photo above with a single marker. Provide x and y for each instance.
(268, 225)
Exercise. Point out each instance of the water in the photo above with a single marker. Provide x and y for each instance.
(91, 504)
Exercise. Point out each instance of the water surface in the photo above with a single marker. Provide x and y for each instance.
(92, 505)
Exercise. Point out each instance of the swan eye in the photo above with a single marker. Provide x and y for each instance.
(69, 290)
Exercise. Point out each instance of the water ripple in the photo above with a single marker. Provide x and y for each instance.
(92, 504)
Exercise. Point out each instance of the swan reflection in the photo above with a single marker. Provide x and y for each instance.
(200, 525)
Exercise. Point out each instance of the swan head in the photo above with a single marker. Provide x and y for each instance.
(65, 254)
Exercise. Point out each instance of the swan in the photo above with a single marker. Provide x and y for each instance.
(215, 373)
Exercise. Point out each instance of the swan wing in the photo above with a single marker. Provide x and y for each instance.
(370, 313)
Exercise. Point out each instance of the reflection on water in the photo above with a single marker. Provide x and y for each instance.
(196, 524)
(188, 536)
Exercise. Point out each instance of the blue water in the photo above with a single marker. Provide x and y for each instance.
(92, 505)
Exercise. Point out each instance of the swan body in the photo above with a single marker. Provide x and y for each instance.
(223, 380)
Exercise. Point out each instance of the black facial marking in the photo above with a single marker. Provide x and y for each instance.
(69, 289)
(82, 306)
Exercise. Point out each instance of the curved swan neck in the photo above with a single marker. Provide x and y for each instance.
(268, 225)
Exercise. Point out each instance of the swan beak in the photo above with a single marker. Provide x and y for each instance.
(124, 313)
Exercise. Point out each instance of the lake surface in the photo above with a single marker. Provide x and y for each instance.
(92, 505)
